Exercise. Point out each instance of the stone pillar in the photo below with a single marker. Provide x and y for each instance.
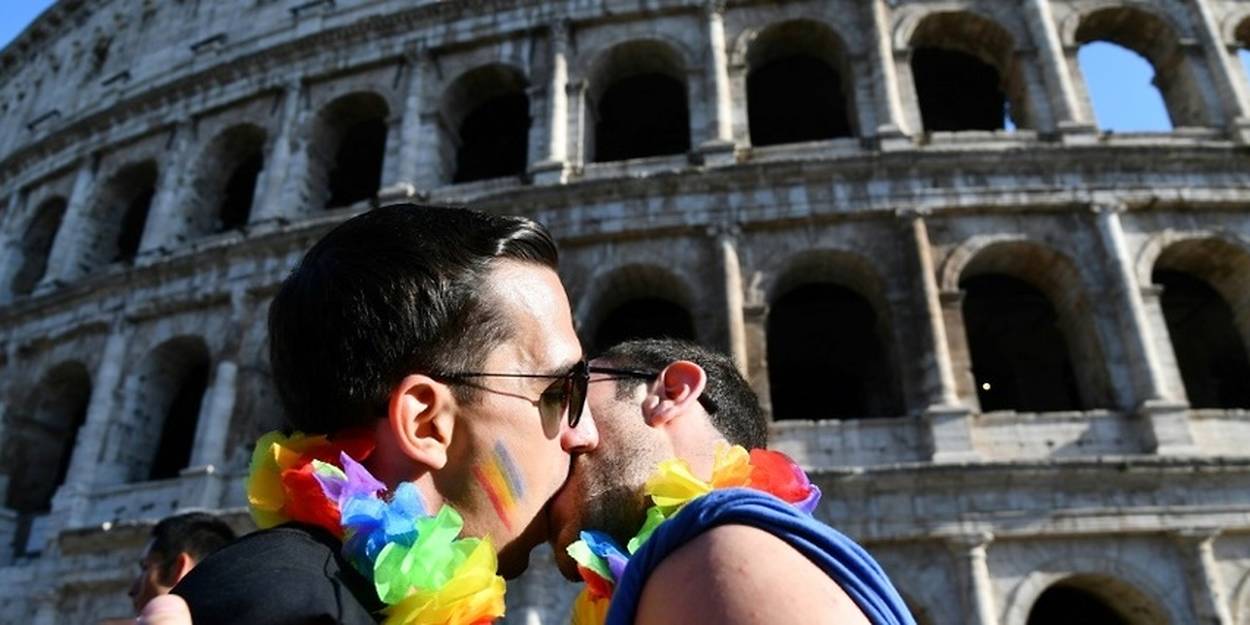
(755, 334)
(85, 468)
(408, 169)
(10, 247)
(1167, 419)
(1206, 588)
(64, 257)
(735, 322)
(1064, 101)
(166, 224)
(1224, 65)
(891, 120)
(974, 575)
(950, 422)
(214, 423)
(578, 151)
(552, 168)
(718, 147)
(286, 170)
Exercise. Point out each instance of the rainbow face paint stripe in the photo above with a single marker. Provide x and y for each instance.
(501, 480)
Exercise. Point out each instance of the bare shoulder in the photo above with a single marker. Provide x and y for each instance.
(740, 575)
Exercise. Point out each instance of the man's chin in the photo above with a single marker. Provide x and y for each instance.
(514, 557)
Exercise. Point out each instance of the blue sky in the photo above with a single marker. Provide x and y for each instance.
(1119, 80)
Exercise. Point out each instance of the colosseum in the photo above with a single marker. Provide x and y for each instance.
(1011, 345)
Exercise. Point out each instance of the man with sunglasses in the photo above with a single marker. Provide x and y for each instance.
(445, 334)
(747, 557)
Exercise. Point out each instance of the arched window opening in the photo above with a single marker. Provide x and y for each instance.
(826, 359)
(236, 204)
(640, 106)
(126, 200)
(1121, 89)
(1209, 351)
(1020, 359)
(644, 318)
(1069, 605)
(348, 149)
(166, 396)
(1151, 37)
(1095, 599)
(490, 110)
(39, 438)
(966, 75)
(37, 244)
(796, 88)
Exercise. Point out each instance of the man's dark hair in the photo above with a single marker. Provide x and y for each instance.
(735, 410)
(394, 291)
(196, 534)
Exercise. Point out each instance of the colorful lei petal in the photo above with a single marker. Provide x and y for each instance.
(732, 467)
(775, 473)
(281, 486)
(473, 595)
(673, 485)
(654, 518)
(589, 609)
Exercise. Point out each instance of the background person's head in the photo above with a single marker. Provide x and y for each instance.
(372, 328)
(177, 544)
(695, 399)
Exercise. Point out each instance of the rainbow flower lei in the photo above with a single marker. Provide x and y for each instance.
(419, 568)
(601, 561)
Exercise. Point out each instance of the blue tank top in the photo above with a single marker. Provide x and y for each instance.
(838, 556)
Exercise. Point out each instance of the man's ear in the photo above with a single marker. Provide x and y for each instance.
(179, 569)
(677, 390)
(421, 414)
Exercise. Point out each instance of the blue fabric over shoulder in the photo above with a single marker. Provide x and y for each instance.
(838, 556)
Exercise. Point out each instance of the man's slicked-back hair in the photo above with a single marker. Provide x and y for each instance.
(196, 534)
(398, 290)
(737, 414)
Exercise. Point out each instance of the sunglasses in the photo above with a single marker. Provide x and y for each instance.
(565, 394)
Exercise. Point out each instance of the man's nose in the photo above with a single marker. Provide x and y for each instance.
(584, 437)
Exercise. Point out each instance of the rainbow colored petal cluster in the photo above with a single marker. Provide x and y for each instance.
(419, 567)
(601, 562)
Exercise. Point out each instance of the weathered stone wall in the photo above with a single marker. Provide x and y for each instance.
(124, 123)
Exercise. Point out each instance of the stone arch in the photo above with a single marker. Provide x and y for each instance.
(164, 397)
(1157, 38)
(799, 83)
(347, 150)
(223, 186)
(1241, 601)
(115, 224)
(40, 434)
(829, 320)
(1018, 273)
(638, 301)
(624, 125)
(980, 50)
(36, 244)
(486, 123)
(1127, 590)
(1206, 305)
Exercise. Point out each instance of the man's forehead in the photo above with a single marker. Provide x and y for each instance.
(534, 302)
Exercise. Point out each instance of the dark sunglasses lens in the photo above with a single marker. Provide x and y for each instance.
(577, 395)
(553, 403)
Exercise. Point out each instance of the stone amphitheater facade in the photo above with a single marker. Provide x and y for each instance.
(1015, 358)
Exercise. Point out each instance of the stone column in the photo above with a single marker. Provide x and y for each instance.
(1069, 115)
(576, 94)
(969, 552)
(408, 169)
(735, 323)
(1224, 66)
(950, 422)
(1206, 588)
(64, 257)
(10, 247)
(286, 169)
(85, 468)
(891, 120)
(552, 168)
(718, 147)
(1168, 422)
(166, 224)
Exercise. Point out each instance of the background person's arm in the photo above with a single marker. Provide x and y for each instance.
(739, 575)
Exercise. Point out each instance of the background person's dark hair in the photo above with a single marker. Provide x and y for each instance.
(737, 415)
(197, 534)
(394, 291)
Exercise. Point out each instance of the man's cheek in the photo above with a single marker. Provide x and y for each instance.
(500, 478)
